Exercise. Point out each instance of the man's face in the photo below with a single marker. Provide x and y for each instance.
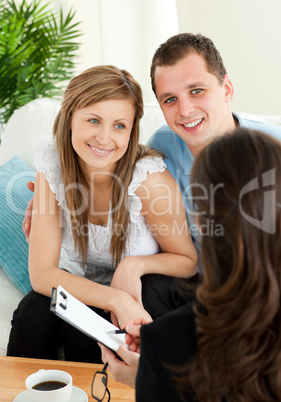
(194, 103)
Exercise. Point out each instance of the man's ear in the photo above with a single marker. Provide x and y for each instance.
(228, 87)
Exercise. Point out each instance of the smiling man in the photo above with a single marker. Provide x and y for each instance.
(194, 92)
(196, 105)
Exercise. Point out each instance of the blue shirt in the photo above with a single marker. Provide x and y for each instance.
(180, 159)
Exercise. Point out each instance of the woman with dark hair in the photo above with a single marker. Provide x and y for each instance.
(226, 346)
(104, 206)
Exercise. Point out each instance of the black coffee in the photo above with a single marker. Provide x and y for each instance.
(49, 385)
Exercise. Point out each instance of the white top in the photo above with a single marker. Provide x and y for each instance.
(99, 266)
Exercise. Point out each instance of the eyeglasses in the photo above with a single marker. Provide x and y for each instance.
(99, 385)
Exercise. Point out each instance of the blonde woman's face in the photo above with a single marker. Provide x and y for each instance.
(101, 133)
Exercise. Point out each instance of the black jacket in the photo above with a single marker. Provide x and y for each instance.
(170, 339)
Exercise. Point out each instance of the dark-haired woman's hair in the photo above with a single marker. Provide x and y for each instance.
(238, 317)
(98, 84)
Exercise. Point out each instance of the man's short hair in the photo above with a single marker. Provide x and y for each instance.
(178, 46)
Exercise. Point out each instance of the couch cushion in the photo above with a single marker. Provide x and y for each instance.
(25, 126)
(14, 196)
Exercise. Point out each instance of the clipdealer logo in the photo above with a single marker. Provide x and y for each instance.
(268, 222)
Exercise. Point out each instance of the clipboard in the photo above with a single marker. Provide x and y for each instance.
(76, 313)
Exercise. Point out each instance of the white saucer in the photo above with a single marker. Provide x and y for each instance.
(77, 395)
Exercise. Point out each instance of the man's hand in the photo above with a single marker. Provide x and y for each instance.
(26, 224)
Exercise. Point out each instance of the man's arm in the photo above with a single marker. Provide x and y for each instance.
(26, 224)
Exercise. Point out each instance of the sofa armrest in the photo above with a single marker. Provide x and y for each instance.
(26, 125)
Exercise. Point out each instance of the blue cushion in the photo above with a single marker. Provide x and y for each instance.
(14, 197)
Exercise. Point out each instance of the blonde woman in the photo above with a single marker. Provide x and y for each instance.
(104, 206)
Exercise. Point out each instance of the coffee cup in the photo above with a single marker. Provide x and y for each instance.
(49, 386)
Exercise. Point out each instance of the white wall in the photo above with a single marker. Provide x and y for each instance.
(124, 33)
(248, 36)
(246, 32)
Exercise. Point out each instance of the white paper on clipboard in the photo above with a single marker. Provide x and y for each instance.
(76, 313)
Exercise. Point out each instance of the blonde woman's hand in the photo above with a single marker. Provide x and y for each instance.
(133, 339)
(127, 277)
(126, 309)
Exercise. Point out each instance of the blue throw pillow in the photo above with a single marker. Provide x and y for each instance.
(14, 197)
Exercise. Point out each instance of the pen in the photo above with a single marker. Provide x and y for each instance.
(117, 331)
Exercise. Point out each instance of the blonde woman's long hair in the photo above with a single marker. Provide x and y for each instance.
(94, 85)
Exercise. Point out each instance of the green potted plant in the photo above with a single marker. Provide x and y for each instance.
(37, 50)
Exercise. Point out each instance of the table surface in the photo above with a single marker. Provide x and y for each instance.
(14, 370)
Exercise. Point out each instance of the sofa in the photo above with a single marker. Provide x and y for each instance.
(18, 142)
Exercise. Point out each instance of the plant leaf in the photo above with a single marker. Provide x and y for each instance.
(37, 52)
